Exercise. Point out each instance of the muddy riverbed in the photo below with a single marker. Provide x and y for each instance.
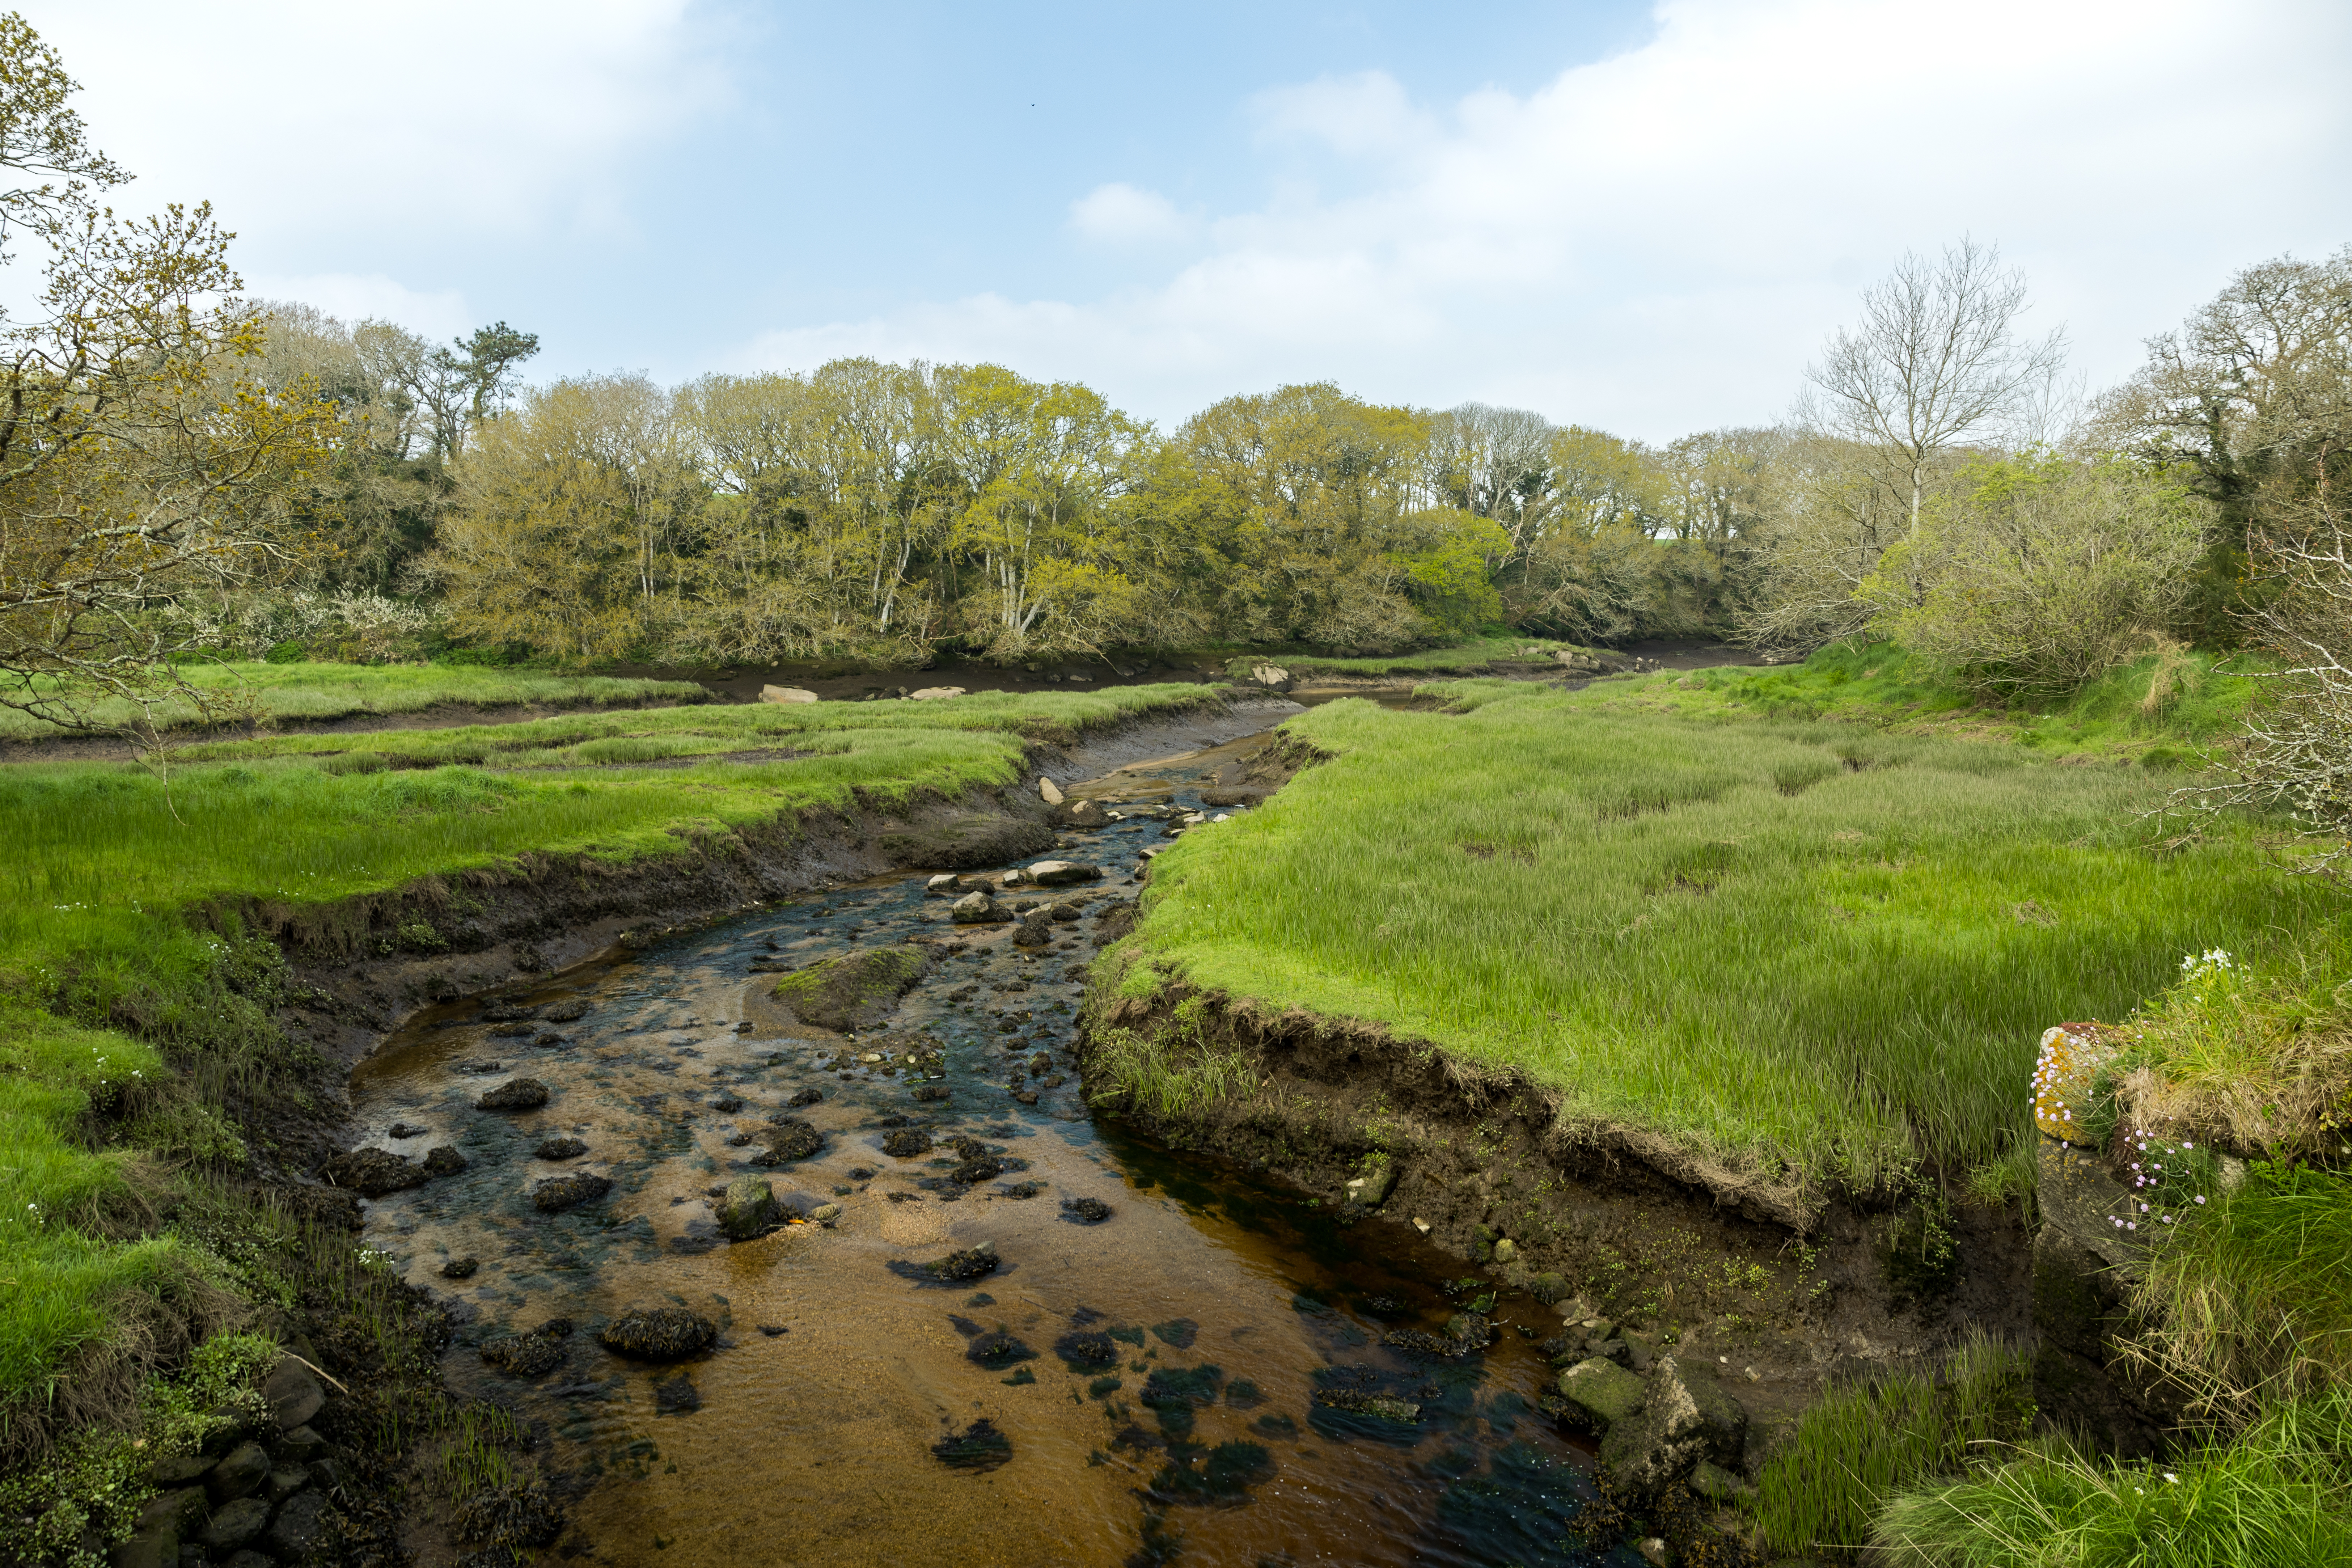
(1168, 1361)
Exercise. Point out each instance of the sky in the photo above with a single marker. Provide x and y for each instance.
(1645, 217)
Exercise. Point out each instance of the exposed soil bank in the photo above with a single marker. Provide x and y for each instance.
(439, 716)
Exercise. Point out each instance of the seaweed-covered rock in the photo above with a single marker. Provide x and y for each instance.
(567, 1012)
(930, 1093)
(443, 1161)
(560, 1149)
(1086, 1211)
(749, 1208)
(460, 1267)
(979, 1447)
(524, 1355)
(559, 1192)
(966, 843)
(1087, 1350)
(788, 1140)
(515, 1094)
(906, 1144)
(802, 1097)
(998, 1351)
(852, 991)
(1036, 930)
(373, 1172)
(660, 1333)
(1363, 1402)
(970, 1263)
(978, 1169)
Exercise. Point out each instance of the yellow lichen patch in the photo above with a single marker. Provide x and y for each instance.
(2071, 1055)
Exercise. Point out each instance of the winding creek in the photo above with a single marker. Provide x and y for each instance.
(1140, 1388)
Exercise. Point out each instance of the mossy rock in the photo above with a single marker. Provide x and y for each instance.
(852, 991)
(966, 843)
(665, 1333)
(373, 1172)
(560, 1193)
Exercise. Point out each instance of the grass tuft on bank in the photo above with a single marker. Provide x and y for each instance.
(1455, 658)
(1818, 952)
(274, 693)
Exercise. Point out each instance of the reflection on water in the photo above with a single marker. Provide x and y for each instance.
(1199, 1377)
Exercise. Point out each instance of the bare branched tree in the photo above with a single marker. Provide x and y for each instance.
(141, 470)
(1935, 362)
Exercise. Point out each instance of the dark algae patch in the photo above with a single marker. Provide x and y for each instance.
(979, 1447)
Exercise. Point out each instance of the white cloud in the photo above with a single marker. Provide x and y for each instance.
(365, 121)
(1660, 240)
(354, 298)
(1121, 213)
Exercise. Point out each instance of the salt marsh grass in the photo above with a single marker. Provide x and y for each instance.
(1812, 949)
(320, 691)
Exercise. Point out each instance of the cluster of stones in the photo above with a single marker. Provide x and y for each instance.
(1671, 1422)
(255, 1496)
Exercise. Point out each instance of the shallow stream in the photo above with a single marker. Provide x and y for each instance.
(1148, 1381)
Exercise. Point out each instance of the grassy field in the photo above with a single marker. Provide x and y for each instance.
(275, 692)
(1820, 952)
(1453, 658)
(104, 860)
(2160, 710)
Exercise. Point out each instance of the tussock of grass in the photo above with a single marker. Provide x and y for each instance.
(281, 691)
(1860, 1444)
(2275, 1498)
(1170, 1072)
(2159, 709)
(1831, 984)
(2254, 1299)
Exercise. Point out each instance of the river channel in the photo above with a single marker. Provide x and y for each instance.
(1132, 1389)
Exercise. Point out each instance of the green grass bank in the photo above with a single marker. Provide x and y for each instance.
(129, 1031)
(1819, 951)
(275, 693)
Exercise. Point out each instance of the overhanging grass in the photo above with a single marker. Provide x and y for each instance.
(2276, 1498)
(1812, 949)
(2161, 707)
(317, 691)
(1860, 1444)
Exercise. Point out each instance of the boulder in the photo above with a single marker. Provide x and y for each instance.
(1685, 1416)
(663, 1334)
(294, 1394)
(935, 693)
(301, 1445)
(155, 1547)
(233, 1524)
(1271, 676)
(373, 1172)
(978, 909)
(1049, 791)
(524, 1355)
(239, 1473)
(749, 1208)
(570, 1191)
(443, 1161)
(786, 694)
(854, 990)
(1601, 1394)
(789, 1140)
(515, 1094)
(1036, 930)
(943, 886)
(1086, 814)
(1062, 873)
(1064, 914)
(294, 1531)
(1372, 1188)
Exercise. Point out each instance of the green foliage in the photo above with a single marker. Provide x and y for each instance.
(2277, 1495)
(219, 1388)
(88, 1488)
(1624, 905)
